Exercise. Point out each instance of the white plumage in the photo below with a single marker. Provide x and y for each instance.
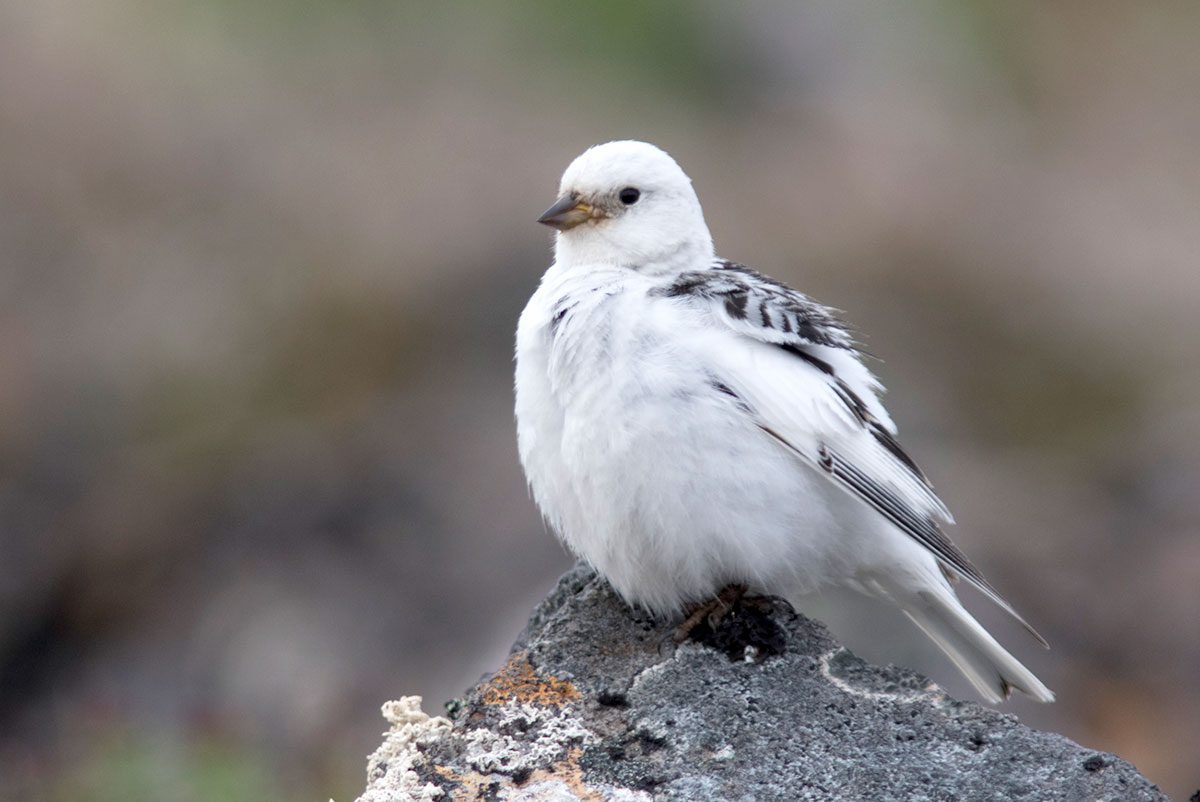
(687, 423)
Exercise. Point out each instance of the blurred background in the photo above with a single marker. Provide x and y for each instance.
(260, 265)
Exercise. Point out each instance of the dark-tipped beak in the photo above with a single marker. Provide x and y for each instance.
(566, 213)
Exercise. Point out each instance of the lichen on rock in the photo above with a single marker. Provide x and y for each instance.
(391, 770)
(597, 703)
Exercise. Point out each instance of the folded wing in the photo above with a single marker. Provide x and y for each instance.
(800, 375)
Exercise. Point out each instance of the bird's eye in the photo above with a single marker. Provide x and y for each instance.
(629, 196)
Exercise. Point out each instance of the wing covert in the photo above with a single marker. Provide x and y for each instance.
(811, 392)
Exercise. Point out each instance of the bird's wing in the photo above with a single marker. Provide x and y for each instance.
(810, 391)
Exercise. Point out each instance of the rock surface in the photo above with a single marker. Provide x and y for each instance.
(596, 703)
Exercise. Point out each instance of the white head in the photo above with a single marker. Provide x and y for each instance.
(628, 203)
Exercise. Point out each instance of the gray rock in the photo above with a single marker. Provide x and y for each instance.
(596, 703)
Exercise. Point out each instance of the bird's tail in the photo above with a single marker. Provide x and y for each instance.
(988, 665)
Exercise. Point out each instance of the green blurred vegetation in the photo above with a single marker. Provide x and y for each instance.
(135, 767)
(697, 54)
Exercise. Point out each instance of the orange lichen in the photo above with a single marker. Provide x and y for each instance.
(519, 681)
(569, 773)
(467, 787)
(470, 786)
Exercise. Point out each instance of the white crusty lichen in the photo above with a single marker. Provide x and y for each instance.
(523, 739)
(390, 770)
(546, 734)
(903, 696)
(559, 791)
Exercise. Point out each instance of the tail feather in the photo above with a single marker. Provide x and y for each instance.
(988, 665)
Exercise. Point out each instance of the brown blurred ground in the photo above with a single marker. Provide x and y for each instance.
(259, 270)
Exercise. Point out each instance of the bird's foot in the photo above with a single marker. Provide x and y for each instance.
(710, 613)
(742, 627)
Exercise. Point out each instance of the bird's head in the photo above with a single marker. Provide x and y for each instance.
(630, 204)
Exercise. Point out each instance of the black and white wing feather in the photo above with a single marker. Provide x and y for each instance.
(812, 393)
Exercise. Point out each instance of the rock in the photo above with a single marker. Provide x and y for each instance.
(597, 703)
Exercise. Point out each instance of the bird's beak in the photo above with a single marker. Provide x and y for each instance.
(568, 212)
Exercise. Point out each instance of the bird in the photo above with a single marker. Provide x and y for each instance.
(687, 424)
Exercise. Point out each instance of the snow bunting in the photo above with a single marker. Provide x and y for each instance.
(687, 423)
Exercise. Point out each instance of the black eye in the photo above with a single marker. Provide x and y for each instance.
(629, 196)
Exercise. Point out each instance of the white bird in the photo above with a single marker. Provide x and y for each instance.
(686, 423)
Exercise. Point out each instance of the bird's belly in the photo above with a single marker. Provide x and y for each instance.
(680, 493)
